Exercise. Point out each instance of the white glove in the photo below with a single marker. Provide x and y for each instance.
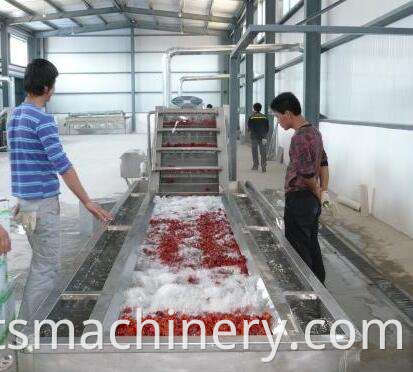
(328, 204)
(264, 141)
(325, 199)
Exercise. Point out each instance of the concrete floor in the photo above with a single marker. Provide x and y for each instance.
(97, 160)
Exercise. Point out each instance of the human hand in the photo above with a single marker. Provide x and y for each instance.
(325, 199)
(264, 141)
(5, 244)
(101, 214)
(15, 211)
(328, 204)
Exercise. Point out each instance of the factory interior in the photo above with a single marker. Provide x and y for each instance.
(153, 105)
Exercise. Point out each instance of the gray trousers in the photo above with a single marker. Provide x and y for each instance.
(255, 143)
(41, 221)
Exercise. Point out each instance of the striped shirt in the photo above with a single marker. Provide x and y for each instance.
(36, 154)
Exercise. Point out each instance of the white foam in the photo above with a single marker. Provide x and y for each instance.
(157, 287)
(160, 289)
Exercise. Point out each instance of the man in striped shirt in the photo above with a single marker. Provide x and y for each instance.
(36, 156)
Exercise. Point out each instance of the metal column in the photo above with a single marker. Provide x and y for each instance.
(34, 48)
(249, 63)
(270, 9)
(234, 88)
(133, 88)
(5, 60)
(312, 61)
(224, 68)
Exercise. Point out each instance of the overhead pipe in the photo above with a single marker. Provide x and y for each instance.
(215, 49)
(200, 78)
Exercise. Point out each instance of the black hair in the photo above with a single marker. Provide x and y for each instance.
(286, 102)
(39, 73)
(209, 105)
(257, 107)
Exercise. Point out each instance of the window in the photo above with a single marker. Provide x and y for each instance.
(18, 51)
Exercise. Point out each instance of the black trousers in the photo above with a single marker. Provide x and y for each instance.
(256, 142)
(301, 216)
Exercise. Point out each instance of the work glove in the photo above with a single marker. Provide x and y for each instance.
(328, 204)
(325, 199)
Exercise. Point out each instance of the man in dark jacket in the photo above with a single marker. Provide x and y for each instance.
(258, 127)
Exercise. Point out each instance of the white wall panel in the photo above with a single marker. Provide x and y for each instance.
(148, 101)
(94, 67)
(379, 158)
(291, 80)
(165, 42)
(148, 82)
(258, 93)
(357, 13)
(195, 63)
(148, 62)
(372, 79)
(89, 102)
(259, 63)
(93, 83)
(88, 44)
(189, 86)
(91, 62)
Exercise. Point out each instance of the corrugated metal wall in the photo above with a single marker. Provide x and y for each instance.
(369, 79)
(95, 72)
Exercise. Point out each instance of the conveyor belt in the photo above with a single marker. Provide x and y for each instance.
(400, 299)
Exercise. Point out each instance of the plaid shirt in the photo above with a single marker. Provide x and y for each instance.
(306, 156)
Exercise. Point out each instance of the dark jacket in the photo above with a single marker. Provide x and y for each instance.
(258, 125)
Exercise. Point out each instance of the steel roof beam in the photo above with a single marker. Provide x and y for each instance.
(100, 11)
(253, 30)
(62, 15)
(183, 15)
(120, 6)
(56, 7)
(209, 12)
(29, 11)
(120, 25)
(89, 6)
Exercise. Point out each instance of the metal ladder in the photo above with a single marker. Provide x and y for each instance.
(189, 152)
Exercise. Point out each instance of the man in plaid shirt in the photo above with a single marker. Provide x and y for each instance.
(306, 178)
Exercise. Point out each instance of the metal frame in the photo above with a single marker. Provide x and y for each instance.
(133, 77)
(249, 63)
(23, 8)
(312, 63)
(110, 302)
(221, 149)
(32, 17)
(5, 61)
(369, 124)
(254, 30)
(56, 7)
(89, 6)
(120, 25)
(387, 19)
(291, 12)
(269, 71)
